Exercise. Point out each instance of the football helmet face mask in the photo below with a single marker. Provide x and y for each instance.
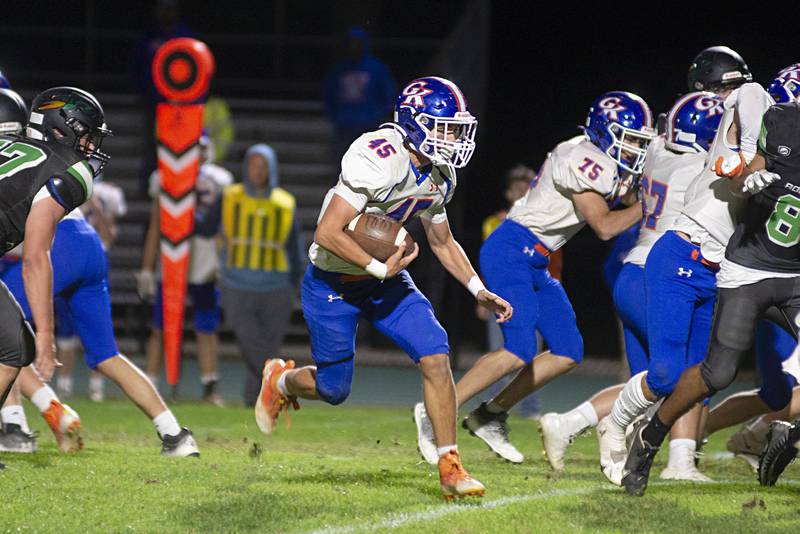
(433, 114)
(693, 121)
(621, 125)
(71, 117)
(786, 85)
(13, 113)
(717, 68)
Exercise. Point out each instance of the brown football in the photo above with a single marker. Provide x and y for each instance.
(378, 235)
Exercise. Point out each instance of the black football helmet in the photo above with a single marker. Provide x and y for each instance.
(717, 67)
(13, 112)
(72, 117)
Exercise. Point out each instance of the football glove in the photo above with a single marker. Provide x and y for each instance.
(758, 181)
(729, 167)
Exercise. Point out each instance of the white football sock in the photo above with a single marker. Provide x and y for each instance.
(282, 383)
(580, 418)
(209, 377)
(166, 424)
(630, 404)
(14, 415)
(64, 384)
(681, 452)
(441, 451)
(96, 383)
(43, 397)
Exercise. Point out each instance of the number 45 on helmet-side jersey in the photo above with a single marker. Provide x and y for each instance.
(433, 113)
(621, 124)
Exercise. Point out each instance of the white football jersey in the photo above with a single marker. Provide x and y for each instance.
(547, 210)
(378, 177)
(709, 215)
(665, 178)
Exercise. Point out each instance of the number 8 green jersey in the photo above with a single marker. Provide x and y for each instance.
(768, 234)
(31, 170)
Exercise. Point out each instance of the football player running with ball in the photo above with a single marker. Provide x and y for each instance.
(579, 179)
(760, 274)
(404, 169)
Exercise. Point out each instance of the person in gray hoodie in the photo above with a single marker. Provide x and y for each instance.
(262, 261)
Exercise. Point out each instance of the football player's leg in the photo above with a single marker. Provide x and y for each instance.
(66, 344)
(15, 435)
(557, 324)
(403, 314)
(507, 273)
(154, 354)
(17, 342)
(205, 302)
(331, 313)
(773, 346)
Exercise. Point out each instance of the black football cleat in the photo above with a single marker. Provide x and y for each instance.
(780, 451)
(640, 458)
(14, 439)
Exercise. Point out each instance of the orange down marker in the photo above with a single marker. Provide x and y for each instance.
(182, 71)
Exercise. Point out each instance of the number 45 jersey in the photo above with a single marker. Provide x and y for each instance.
(665, 178)
(547, 210)
(768, 233)
(32, 170)
(378, 177)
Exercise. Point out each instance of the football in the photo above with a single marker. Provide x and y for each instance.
(379, 235)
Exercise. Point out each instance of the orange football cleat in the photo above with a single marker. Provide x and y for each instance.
(454, 479)
(66, 426)
(271, 402)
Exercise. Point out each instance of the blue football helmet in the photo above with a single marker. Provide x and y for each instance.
(786, 85)
(4, 81)
(693, 121)
(433, 113)
(621, 125)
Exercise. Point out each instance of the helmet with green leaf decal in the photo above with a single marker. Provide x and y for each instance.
(72, 117)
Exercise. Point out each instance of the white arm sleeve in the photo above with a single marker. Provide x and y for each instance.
(751, 103)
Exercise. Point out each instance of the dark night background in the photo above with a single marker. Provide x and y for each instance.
(547, 62)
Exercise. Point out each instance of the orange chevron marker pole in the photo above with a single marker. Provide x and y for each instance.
(182, 71)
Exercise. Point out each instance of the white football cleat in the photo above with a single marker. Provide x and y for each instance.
(180, 445)
(612, 451)
(681, 466)
(426, 441)
(555, 439)
(493, 430)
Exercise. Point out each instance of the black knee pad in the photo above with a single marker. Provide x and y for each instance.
(18, 350)
(721, 366)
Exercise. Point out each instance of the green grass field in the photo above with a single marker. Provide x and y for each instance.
(349, 470)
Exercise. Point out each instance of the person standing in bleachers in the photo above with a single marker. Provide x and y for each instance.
(203, 267)
(359, 91)
(262, 262)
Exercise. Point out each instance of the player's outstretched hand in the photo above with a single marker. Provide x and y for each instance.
(495, 304)
(729, 167)
(398, 261)
(758, 181)
(46, 361)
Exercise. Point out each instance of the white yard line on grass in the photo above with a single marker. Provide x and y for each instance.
(436, 512)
